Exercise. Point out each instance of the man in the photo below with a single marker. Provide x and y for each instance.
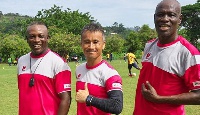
(98, 86)
(44, 79)
(111, 57)
(9, 61)
(132, 63)
(125, 55)
(108, 56)
(170, 76)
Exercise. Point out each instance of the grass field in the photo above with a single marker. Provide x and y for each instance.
(9, 90)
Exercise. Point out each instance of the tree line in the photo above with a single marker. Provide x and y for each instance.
(65, 27)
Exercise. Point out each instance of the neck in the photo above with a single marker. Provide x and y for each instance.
(39, 54)
(93, 62)
(167, 39)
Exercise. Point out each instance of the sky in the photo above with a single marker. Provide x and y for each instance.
(130, 13)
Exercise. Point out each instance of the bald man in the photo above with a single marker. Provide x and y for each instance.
(170, 76)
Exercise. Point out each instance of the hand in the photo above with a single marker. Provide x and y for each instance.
(149, 93)
(81, 95)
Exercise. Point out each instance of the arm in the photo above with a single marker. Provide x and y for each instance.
(136, 60)
(64, 103)
(190, 98)
(113, 104)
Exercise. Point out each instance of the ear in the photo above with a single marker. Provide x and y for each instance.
(104, 45)
(154, 17)
(180, 19)
(48, 37)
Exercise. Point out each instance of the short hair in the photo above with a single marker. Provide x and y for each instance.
(174, 2)
(93, 27)
(36, 23)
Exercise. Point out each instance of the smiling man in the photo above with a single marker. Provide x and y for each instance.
(99, 85)
(170, 74)
(44, 78)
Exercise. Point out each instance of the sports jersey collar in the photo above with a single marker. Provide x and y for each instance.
(92, 67)
(165, 45)
(42, 55)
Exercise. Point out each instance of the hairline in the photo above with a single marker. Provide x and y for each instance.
(36, 23)
(93, 27)
(178, 8)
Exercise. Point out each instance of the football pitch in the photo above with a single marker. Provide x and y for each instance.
(9, 89)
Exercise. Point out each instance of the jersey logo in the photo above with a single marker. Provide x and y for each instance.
(78, 76)
(67, 86)
(148, 55)
(116, 85)
(196, 83)
(23, 68)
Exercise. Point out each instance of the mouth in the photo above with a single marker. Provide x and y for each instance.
(90, 51)
(164, 27)
(36, 46)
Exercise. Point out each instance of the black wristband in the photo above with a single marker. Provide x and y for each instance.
(89, 100)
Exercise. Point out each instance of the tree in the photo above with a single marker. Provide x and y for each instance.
(191, 21)
(68, 21)
(13, 24)
(133, 42)
(146, 34)
(116, 29)
(13, 46)
(64, 44)
(114, 43)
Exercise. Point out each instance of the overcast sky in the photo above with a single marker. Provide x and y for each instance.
(130, 13)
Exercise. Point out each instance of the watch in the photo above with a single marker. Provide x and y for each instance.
(89, 100)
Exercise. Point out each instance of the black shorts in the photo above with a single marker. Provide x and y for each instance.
(133, 65)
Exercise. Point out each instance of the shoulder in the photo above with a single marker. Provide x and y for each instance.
(81, 66)
(54, 56)
(108, 69)
(24, 57)
(191, 48)
(152, 40)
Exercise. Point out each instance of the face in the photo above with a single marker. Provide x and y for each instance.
(92, 44)
(37, 38)
(167, 19)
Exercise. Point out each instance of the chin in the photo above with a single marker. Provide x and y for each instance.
(164, 33)
(38, 52)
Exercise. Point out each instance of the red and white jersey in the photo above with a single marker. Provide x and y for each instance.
(171, 69)
(101, 79)
(52, 76)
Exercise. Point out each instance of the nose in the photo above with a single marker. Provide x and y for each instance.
(91, 45)
(37, 38)
(165, 18)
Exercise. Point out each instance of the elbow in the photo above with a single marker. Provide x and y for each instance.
(118, 108)
(118, 111)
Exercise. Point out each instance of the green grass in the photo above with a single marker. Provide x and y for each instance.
(9, 90)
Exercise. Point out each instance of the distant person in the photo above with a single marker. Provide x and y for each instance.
(124, 57)
(9, 61)
(170, 74)
(15, 62)
(98, 85)
(108, 56)
(67, 58)
(111, 57)
(44, 79)
(132, 62)
(76, 60)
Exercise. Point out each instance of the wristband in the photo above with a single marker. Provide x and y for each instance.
(89, 100)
